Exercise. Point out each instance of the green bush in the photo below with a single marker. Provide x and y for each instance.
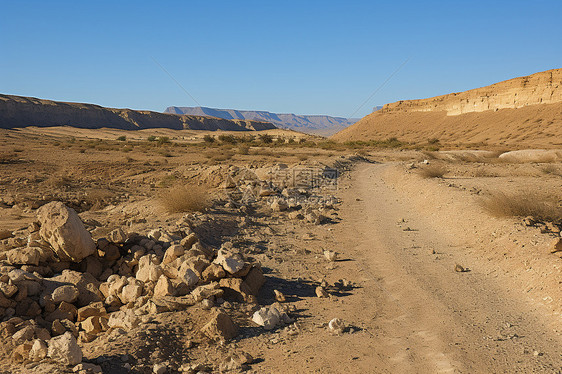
(122, 138)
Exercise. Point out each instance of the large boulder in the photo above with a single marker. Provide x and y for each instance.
(62, 228)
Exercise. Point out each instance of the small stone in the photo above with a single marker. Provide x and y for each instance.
(556, 245)
(188, 241)
(21, 352)
(220, 327)
(213, 272)
(94, 325)
(330, 255)
(131, 292)
(207, 304)
(23, 335)
(94, 309)
(236, 362)
(232, 263)
(124, 318)
(87, 368)
(67, 293)
(255, 279)
(336, 326)
(65, 349)
(172, 253)
(160, 368)
(321, 292)
(39, 350)
(111, 252)
(8, 290)
(279, 296)
(270, 316)
(163, 287)
(459, 268)
(187, 275)
(118, 236)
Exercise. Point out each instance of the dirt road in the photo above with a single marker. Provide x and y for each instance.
(423, 316)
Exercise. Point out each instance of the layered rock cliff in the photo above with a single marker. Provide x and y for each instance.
(540, 88)
(522, 112)
(18, 111)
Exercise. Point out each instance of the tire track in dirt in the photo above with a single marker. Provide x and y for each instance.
(429, 318)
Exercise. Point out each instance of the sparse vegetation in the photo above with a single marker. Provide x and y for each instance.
(188, 198)
(551, 170)
(228, 139)
(122, 138)
(523, 204)
(208, 139)
(432, 171)
(244, 149)
(266, 138)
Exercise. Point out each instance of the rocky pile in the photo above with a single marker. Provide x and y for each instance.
(59, 288)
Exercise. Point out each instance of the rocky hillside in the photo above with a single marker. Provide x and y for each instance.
(312, 124)
(523, 111)
(17, 111)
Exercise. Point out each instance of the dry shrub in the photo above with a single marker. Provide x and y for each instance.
(483, 172)
(186, 198)
(523, 204)
(551, 170)
(428, 155)
(99, 198)
(59, 181)
(432, 171)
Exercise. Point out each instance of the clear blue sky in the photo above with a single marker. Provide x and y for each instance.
(304, 57)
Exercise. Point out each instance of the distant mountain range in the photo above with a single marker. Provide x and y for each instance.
(19, 111)
(311, 124)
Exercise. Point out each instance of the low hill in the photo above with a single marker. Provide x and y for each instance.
(524, 111)
(311, 124)
(18, 111)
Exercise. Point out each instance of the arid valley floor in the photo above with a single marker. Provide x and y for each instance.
(303, 257)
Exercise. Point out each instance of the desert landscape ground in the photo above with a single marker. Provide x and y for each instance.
(275, 252)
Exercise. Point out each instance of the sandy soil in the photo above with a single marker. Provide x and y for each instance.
(399, 238)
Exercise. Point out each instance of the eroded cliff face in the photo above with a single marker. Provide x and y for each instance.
(18, 111)
(540, 88)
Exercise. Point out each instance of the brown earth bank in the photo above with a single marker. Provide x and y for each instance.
(391, 265)
(18, 111)
(521, 112)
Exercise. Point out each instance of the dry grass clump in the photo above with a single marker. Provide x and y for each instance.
(484, 172)
(186, 198)
(523, 204)
(432, 171)
(551, 170)
(99, 198)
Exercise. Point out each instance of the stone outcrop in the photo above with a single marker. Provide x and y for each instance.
(540, 88)
(523, 112)
(18, 111)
